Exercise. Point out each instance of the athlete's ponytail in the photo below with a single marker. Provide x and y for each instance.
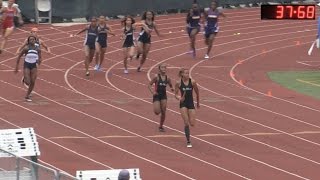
(123, 21)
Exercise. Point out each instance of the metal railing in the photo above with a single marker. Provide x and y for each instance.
(20, 168)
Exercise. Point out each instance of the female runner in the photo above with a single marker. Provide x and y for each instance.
(32, 58)
(128, 46)
(160, 81)
(7, 25)
(186, 86)
(193, 26)
(90, 42)
(101, 44)
(211, 28)
(144, 40)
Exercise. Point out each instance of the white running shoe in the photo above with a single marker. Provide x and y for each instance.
(96, 67)
(28, 99)
(189, 145)
(126, 71)
(161, 129)
(206, 56)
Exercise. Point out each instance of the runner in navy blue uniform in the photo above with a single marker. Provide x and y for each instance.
(101, 44)
(211, 27)
(90, 42)
(160, 81)
(144, 40)
(185, 87)
(32, 58)
(193, 26)
(128, 45)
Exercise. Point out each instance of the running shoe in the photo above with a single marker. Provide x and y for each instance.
(161, 129)
(28, 99)
(96, 67)
(189, 145)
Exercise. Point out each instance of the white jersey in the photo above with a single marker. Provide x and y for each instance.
(5, 4)
(32, 55)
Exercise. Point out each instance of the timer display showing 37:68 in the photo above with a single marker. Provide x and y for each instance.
(288, 11)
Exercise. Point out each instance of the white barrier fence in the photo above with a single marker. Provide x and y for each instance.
(16, 147)
(107, 174)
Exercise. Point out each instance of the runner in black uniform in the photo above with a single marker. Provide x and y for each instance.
(186, 86)
(101, 44)
(90, 46)
(144, 41)
(160, 81)
(128, 40)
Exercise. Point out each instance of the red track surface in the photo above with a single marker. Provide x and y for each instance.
(106, 121)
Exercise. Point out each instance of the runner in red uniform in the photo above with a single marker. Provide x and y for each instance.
(7, 24)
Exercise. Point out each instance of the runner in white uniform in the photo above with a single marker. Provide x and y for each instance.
(32, 54)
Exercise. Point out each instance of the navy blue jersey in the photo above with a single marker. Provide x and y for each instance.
(91, 36)
(102, 33)
(212, 18)
(193, 19)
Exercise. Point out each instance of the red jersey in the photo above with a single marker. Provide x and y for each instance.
(8, 17)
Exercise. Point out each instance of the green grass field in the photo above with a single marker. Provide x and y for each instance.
(305, 82)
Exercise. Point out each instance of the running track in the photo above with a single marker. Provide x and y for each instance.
(106, 121)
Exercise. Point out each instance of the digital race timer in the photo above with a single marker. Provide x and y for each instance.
(288, 11)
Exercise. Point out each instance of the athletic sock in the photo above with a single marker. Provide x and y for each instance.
(187, 133)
